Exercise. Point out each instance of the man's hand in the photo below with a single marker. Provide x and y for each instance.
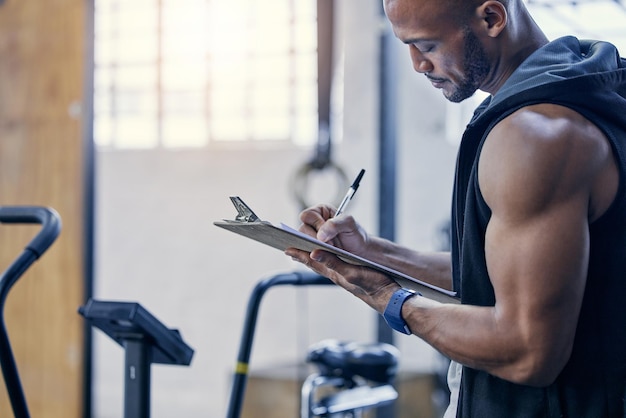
(372, 287)
(341, 232)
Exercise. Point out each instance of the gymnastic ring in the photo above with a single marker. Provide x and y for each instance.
(300, 182)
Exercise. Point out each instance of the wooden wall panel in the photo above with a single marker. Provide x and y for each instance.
(42, 49)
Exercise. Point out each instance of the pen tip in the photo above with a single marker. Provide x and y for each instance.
(358, 179)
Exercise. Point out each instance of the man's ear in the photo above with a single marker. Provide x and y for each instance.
(494, 17)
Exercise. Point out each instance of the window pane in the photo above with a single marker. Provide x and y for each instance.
(180, 73)
(135, 132)
(185, 131)
(229, 129)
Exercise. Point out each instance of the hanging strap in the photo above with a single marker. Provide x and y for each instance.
(325, 28)
(322, 157)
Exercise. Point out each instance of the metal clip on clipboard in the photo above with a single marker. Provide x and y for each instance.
(245, 213)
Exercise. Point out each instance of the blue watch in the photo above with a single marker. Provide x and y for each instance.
(393, 311)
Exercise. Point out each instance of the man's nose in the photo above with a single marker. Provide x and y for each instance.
(420, 63)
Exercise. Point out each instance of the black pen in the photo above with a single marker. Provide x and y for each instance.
(351, 191)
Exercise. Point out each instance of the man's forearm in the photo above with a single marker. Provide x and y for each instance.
(432, 267)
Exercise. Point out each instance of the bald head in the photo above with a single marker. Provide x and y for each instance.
(456, 9)
(418, 12)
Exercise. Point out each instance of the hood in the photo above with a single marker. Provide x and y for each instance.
(569, 71)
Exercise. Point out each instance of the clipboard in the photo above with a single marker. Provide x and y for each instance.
(281, 237)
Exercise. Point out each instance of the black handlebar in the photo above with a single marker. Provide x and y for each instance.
(50, 223)
(48, 218)
(240, 378)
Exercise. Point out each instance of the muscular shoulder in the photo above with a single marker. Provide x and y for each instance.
(544, 154)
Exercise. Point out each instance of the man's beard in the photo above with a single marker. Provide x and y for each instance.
(475, 69)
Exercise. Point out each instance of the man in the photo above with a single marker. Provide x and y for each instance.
(538, 217)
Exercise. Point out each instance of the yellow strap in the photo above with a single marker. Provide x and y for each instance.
(241, 368)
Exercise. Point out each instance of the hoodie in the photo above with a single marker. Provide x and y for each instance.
(590, 78)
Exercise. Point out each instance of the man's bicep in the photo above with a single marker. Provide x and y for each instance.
(535, 179)
(538, 265)
(538, 271)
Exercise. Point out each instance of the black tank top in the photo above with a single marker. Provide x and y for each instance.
(590, 78)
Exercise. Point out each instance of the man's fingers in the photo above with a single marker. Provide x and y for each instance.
(307, 229)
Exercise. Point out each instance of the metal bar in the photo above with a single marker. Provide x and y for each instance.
(7, 360)
(50, 229)
(88, 201)
(387, 153)
(137, 378)
(387, 165)
(240, 377)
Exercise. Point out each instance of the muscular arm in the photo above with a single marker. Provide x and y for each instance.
(539, 173)
(545, 172)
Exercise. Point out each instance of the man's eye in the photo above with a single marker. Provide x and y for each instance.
(424, 48)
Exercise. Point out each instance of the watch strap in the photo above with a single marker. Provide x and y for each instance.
(393, 311)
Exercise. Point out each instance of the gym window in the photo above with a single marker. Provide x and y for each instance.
(191, 73)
